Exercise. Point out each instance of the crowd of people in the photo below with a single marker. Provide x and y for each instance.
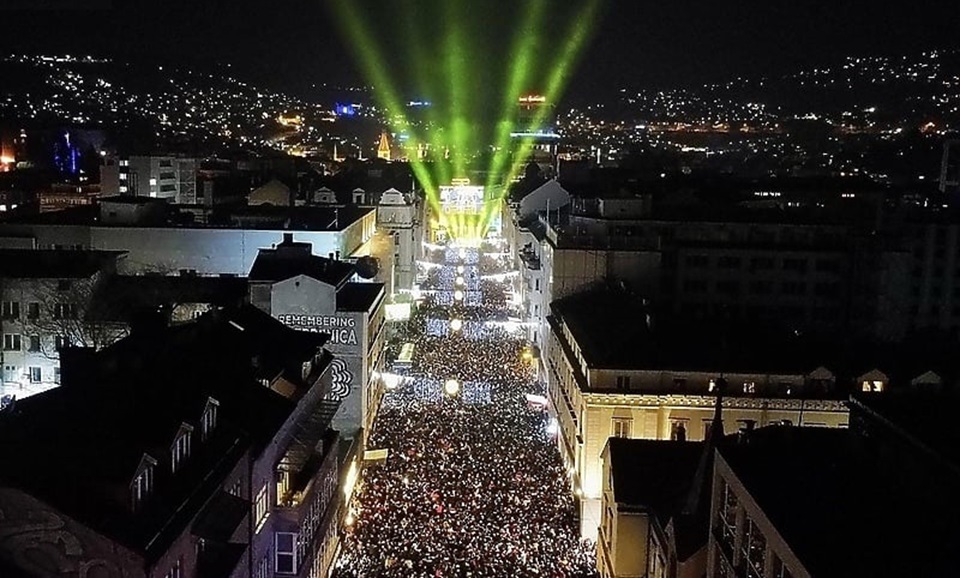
(473, 485)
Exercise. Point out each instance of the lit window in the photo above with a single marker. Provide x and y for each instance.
(142, 485)
(260, 507)
(123, 188)
(209, 420)
(181, 447)
(749, 387)
(872, 386)
(286, 553)
(175, 571)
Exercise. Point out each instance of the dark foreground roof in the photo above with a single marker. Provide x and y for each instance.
(358, 297)
(847, 506)
(55, 264)
(77, 447)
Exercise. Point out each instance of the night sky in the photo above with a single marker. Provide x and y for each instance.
(292, 44)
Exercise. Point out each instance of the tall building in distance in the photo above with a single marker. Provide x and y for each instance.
(536, 126)
(161, 177)
(950, 167)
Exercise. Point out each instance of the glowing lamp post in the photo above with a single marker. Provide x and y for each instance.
(458, 295)
(461, 269)
(451, 387)
(459, 281)
(456, 325)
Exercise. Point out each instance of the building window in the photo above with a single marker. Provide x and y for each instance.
(286, 553)
(33, 310)
(142, 486)
(749, 387)
(623, 382)
(779, 569)
(60, 342)
(33, 343)
(620, 427)
(872, 386)
(260, 507)
(181, 448)
(263, 567)
(209, 420)
(64, 311)
(56, 375)
(35, 374)
(10, 309)
(11, 342)
(236, 488)
(727, 515)
(175, 571)
(753, 549)
(678, 431)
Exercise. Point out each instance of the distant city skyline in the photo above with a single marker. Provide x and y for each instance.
(294, 45)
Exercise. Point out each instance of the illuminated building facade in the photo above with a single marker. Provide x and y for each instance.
(213, 242)
(315, 294)
(608, 376)
(536, 125)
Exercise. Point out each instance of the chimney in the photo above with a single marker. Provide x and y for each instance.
(287, 238)
(337, 255)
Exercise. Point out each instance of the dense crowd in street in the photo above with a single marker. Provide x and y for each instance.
(473, 485)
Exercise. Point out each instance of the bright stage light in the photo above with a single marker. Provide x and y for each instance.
(458, 295)
(451, 387)
(456, 325)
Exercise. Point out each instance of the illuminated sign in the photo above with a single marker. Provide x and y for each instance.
(462, 198)
(397, 311)
(533, 99)
(342, 330)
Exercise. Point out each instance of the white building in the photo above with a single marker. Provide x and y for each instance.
(157, 240)
(397, 216)
(160, 177)
(46, 302)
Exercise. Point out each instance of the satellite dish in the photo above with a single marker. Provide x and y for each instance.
(368, 267)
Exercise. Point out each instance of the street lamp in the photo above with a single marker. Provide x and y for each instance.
(451, 387)
(458, 295)
(456, 324)
(459, 281)
(461, 269)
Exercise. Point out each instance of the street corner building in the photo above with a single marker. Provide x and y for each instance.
(199, 449)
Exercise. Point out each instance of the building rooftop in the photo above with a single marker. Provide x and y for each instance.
(846, 505)
(289, 259)
(78, 447)
(616, 330)
(263, 217)
(55, 264)
(653, 475)
(359, 297)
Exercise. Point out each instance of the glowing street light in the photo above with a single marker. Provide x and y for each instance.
(459, 281)
(458, 295)
(451, 387)
(461, 269)
(456, 324)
